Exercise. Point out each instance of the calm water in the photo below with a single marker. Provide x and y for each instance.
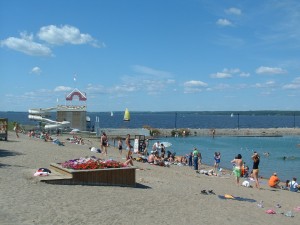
(231, 146)
(182, 119)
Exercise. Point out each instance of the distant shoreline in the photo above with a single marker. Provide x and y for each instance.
(244, 132)
(164, 132)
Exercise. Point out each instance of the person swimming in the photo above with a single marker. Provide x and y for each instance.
(288, 157)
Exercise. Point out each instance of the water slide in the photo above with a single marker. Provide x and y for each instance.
(38, 115)
(40, 111)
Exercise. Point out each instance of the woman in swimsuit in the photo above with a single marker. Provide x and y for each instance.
(127, 142)
(129, 158)
(256, 160)
(104, 143)
(217, 159)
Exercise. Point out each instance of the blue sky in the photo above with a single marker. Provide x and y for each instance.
(151, 55)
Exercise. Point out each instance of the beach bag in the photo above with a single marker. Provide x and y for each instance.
(42, 172)
(246, 183)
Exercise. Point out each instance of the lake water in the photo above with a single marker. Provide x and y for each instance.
(250, 119)
(278, 147)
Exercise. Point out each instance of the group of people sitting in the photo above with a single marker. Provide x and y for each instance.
(42, 135)
(159, 156)
(292, 185)
(45, 136)
(163, 159)
(76, 140)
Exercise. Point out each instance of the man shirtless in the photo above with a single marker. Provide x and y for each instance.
(151, 158)
(238, 167)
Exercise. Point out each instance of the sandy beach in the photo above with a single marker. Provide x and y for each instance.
(162, 195)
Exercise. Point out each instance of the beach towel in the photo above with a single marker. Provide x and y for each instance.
(226, 196)
(297, 208)
(270, 211)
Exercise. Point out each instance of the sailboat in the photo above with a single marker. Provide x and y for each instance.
(126, 115)
(231, 115)
(111, 113)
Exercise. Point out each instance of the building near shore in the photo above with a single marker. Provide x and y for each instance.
(74, 110)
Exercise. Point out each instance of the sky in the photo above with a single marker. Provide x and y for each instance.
(151, 55)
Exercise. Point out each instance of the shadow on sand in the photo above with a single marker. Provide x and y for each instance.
(237, 199)
(6, 153)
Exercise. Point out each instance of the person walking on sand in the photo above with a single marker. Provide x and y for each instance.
(16, 129)
(238, 163)
(256, 159)
(104, 143)
(127, 142)
(120, 145)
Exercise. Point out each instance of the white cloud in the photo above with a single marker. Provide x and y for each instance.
(221, 75)
(270, 70)
(26, 45)
(65, 35)
(62, 88)
(149, 80)
(294, 85)
(195, 83)
(170, 81)
(189, 90)
(243, 74)
(234, 11)
(228, 73)
(51, 34)
(150, 71)
(36, 70)
(267, 84)
(223, 22)
(125, 88)
(222, 86)
(96, 89)
(232, 71)
(194, 86)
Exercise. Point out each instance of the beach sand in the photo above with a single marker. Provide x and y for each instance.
(162, 196)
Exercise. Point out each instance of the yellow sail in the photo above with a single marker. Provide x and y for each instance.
(126, 115)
